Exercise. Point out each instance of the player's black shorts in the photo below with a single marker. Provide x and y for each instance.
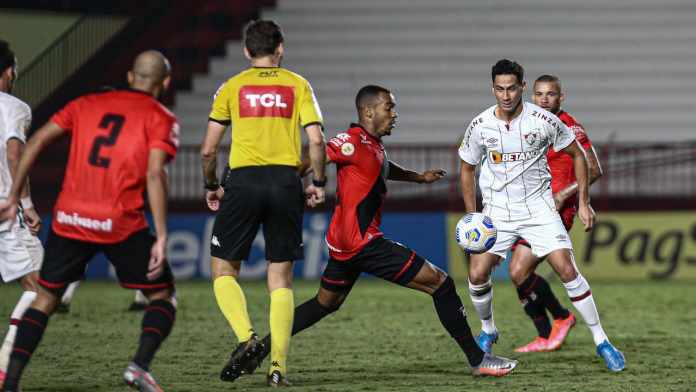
(65, 260)
(381, 257)
(271, 196)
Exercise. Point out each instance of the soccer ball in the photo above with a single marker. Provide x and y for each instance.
(475, 233)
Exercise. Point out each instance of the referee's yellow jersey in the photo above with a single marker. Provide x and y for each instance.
(266, 107)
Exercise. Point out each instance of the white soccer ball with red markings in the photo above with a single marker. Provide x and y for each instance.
(475, 233)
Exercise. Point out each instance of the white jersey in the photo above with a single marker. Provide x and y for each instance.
(15, 119)
(515, 180)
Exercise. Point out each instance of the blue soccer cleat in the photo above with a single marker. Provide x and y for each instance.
(612, 357)
(486, 340)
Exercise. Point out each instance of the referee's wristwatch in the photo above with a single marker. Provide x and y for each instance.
(319, 183)
(212, 186)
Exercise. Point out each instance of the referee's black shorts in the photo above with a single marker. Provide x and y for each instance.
(381, 257)
(271, 196)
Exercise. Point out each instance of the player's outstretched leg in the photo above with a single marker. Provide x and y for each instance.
(452, 315)
(580, 294)
(29, 333)
(28, 296)
(157, 324)
(528, 294)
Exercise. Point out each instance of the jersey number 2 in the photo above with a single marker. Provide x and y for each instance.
(114, 122)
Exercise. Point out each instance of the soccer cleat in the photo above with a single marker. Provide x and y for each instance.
(494, 366)
(537, 345)
(137, 307)
(613, 358)
(243, 360)
(137, 378)
(277, 380)
(486, 340)
(559, 331)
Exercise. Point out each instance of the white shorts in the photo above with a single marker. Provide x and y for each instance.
(545, 233)
(20, 253)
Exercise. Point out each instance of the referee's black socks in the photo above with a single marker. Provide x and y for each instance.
(452, 315)
(157, 324)
(29, 334)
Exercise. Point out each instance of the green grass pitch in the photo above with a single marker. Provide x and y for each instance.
(385, 338)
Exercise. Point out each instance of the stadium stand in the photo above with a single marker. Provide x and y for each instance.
(626, 64)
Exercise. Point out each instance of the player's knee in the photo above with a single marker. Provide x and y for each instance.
(518, 274)
(330, 302)
(46, 301)
(166, 294)
(479, 276)
(567, 273)
(445, 287)
(30, 282)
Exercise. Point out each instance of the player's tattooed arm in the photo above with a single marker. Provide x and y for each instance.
(595, 173)
(398, 173)
(468, 183)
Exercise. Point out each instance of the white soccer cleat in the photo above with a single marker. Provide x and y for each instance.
(137, 378)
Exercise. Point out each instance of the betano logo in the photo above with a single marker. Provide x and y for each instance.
(498, 157)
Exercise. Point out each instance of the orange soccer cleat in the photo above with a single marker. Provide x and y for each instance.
(559, 332)
(537, 345)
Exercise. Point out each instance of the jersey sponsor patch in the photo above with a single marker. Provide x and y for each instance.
(266, 101)
(497, 157)
(348, 149)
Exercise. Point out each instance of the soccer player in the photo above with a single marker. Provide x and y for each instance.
(533, 290)
(510, 140)
(356, 243)
(266, 105)
(120, 144)
(20, 249)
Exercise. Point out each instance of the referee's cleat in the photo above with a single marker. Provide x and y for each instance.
(277, 380)
(492, 365)
(613, 358)
(243, 360)
(486, 340)
(139, 379)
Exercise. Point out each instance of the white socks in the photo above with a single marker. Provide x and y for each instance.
(24, 301)
(482, 298)
(67, 297)
(579, 292)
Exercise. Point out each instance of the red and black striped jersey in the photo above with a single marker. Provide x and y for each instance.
(362, 170)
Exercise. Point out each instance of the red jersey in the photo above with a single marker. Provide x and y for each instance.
(362, 169)
(561, 164)
(112, 133)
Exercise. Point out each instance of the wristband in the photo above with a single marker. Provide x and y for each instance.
(319, 183)
(212, 186)
(26, 203)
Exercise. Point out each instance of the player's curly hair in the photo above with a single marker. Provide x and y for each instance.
(7, 56)
(262, 37)
(507, 67)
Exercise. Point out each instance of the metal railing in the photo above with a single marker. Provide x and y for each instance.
(65, 56)
(630, 170)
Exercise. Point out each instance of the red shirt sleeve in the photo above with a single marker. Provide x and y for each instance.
(164, 134)
(65, 117)
(341, 149)
(581, 136)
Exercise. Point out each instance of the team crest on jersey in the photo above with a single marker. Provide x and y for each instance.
(533, 138)
(347, 149)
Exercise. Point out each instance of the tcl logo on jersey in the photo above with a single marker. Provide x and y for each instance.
(497, 157)
(266, 101)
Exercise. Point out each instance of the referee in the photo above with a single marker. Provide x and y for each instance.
(265, 105)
